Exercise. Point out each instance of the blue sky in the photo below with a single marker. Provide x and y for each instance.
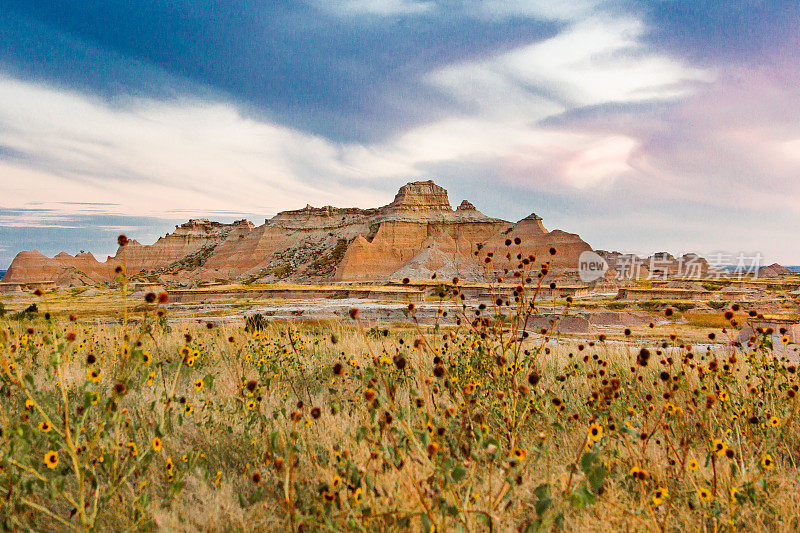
(642, 126)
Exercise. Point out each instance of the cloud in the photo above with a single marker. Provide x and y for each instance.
(51, 233)
(790, 149)
(545, 9)
(300, 64)
(605, 157)
(376, 7)
(35, 218)
(189, 155)
(476, 9)
(507, 99)
(153, 158)
(596, 60)
(727, 145)
(572, 109)
(735, 32)
(157, 157)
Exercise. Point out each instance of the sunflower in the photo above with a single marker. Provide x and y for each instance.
(660, 495)
(704, 494)
(146, 357)
(188, 409)
(157, 444)
(198, 385)
(45, 426)
(638, 473)
(251, 404)
(785, 339)
(432, 449)
(51, 459)
(518, 454)
(595, 432)
(767, 463)
(719, 447)
(692, 465)
(773, 422)
(93, 375)
(134, 451)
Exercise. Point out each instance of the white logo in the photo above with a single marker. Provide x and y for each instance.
(591, 266)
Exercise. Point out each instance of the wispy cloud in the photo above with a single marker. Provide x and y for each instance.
(546, 9)
(376, 7)
(479, 9)
(507, 99)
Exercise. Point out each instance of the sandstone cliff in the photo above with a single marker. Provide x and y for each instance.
(417, 235)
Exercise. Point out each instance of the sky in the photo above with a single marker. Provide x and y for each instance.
(642, 125)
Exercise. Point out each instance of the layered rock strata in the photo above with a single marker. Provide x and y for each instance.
(418, 235)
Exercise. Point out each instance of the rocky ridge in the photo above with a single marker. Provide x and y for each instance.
(417, 235)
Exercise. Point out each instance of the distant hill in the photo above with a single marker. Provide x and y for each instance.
(734, 268)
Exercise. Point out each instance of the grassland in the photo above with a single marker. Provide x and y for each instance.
(469, 424)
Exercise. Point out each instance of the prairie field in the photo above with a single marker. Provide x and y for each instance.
(473, 423)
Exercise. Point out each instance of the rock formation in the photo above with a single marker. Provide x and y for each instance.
(417, 235)
(658, 265)
(774, 271)
(627, 266)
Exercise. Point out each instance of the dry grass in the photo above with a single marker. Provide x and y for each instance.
(327, 426)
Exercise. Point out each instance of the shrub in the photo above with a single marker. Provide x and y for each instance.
(28, 313)
(256, 322)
